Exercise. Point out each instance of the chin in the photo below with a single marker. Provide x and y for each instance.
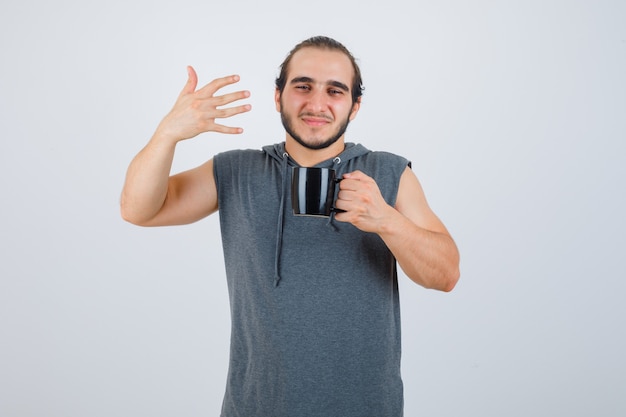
(314, 143)
(319, 144)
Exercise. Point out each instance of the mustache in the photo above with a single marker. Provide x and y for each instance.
(316, 115)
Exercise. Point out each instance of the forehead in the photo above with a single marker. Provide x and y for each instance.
(321, 65)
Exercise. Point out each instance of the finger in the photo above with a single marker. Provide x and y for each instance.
(231, 111)
(229, 98)
(227, 129)
(217, 84)
(192, 81)
(349, 183)
(356, 175)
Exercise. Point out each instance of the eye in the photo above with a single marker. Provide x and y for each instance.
(303, 87)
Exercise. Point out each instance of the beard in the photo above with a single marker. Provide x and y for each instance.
(322, 144)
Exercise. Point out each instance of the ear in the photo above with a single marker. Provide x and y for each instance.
(355, 109)
(277, 99)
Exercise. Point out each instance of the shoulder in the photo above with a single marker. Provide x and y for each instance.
(383, 165)
(390, 158)
(245, 167)
(238, 155)
(237, 160)
(376, 158)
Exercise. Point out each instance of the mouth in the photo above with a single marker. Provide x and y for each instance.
(315, 121)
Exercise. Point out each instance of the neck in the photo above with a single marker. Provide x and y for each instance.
(309, 157)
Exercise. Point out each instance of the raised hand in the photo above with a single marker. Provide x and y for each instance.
(196, 111)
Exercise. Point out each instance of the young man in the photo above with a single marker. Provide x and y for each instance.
(314, 302)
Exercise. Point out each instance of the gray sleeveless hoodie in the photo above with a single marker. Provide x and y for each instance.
(314, 302)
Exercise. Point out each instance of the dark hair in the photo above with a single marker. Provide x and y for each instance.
(322, 42)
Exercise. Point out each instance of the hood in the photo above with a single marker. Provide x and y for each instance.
(278, 153)
(351, 150)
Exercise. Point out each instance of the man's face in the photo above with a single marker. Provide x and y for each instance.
(316, 103)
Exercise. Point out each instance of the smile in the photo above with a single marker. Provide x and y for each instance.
(316, 121)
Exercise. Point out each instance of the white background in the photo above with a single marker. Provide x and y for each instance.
(513, 113)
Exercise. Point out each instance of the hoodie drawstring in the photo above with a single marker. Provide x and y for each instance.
(281, 217)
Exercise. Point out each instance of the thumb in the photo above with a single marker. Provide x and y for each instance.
(354, 174)
(192, 81)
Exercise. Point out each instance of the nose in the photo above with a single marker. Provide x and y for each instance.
(317, 101)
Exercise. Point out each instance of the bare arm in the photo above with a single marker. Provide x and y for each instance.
(151, 197)
(417, 238)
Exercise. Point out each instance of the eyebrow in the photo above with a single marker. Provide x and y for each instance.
(336, 84)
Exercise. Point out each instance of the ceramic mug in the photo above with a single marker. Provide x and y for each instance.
(313, 191)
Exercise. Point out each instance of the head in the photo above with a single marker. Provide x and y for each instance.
(318, 92)
(323, 42)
